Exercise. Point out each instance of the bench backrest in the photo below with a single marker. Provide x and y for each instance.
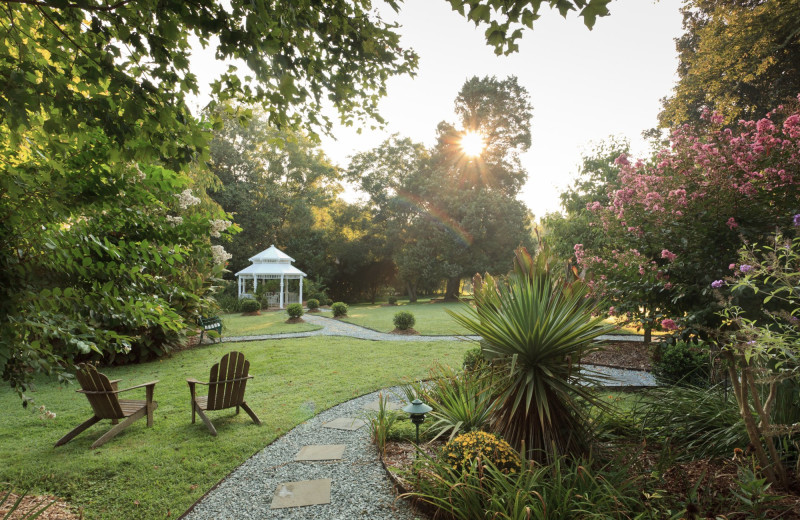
(227, 381)
(100, 392)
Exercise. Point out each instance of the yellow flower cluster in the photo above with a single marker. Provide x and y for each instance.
(461, 452)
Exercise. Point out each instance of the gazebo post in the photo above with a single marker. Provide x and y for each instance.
(255, 284)
(300, 294)
(281, 299)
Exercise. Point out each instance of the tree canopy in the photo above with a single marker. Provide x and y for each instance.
(738, 57)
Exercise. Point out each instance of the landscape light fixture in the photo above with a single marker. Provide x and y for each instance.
(417, 410)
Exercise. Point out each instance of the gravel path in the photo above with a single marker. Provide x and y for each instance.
(360, 489)
(332, 327)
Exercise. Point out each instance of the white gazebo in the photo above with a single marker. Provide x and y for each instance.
(272, 264)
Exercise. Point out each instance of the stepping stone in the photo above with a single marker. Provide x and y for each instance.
(321, 452)
(302, 493)
(375, 406)
(345, 423)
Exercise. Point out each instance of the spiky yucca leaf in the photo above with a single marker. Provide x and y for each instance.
(536, 324)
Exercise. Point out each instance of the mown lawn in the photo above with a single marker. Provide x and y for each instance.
(267, 323)
(159, 472)
(432, 318)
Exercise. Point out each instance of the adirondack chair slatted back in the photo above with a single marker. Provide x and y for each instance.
(229, 393)
(106, 404)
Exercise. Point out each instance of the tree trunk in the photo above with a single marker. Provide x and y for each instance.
(412, 292)
(453, 289)
(648, 335)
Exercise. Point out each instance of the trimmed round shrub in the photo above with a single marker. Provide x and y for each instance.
(250, 305)
(461, 452)
(473, 358)
(392, 300)
(312, 304)
(295, 310)
(681, 363)
(328, 301)
(404, 320)
(339, 309)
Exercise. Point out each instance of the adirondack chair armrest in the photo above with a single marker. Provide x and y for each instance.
(222, 382)
(151, 383)
(193, 381)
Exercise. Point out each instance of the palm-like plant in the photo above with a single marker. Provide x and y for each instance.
(536, 324)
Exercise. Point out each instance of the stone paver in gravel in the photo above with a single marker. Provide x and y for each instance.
(375, 405)
(345, 423)
(361, 489)
(321, 452)
(303, 493)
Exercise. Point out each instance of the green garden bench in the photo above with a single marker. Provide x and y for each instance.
(207, 324)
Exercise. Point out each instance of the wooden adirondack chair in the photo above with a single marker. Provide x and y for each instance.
(106, 404)
(226, 385)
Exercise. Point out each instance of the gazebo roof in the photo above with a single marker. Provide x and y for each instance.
(272, 254)
(272, 261)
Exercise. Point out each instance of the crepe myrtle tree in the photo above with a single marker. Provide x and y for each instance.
(678, 219)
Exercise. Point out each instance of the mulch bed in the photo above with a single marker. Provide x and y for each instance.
(254, 313)
(407, 332)
(622, 354)
(295, 320)
(58, 511)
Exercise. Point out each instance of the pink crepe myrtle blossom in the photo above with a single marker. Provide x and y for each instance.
(732, 267)
(668, 324)
(731, 223)
(666, 253)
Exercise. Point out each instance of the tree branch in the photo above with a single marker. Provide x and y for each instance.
(105, 9)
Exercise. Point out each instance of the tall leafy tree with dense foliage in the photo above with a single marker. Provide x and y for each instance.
(277, 185)
(738, 57)
(575, 223)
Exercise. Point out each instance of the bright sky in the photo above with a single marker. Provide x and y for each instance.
(584, 85)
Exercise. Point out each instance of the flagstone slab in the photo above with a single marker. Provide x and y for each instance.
(375, 406)
(302, 493)
(320, 452)
(345, 423)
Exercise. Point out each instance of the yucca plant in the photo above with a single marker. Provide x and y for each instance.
(536, 324)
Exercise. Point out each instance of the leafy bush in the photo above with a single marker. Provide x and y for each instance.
(295, 310)
(703, 422)
(562, 490)
(328, 301)
(339, 309)
(250, 305)
(392, 300)
(229, 304)
(404, 320)
(473, 358)
(681, 363)
(312, 304)
(463, 452)
(461, 401)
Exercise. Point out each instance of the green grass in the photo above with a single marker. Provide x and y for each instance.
(160, 471)
(268, 323)
(432, 318)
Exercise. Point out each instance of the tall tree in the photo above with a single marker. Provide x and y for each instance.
(475, 193)
(597, 179)
(278, 186)
(738, 57)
